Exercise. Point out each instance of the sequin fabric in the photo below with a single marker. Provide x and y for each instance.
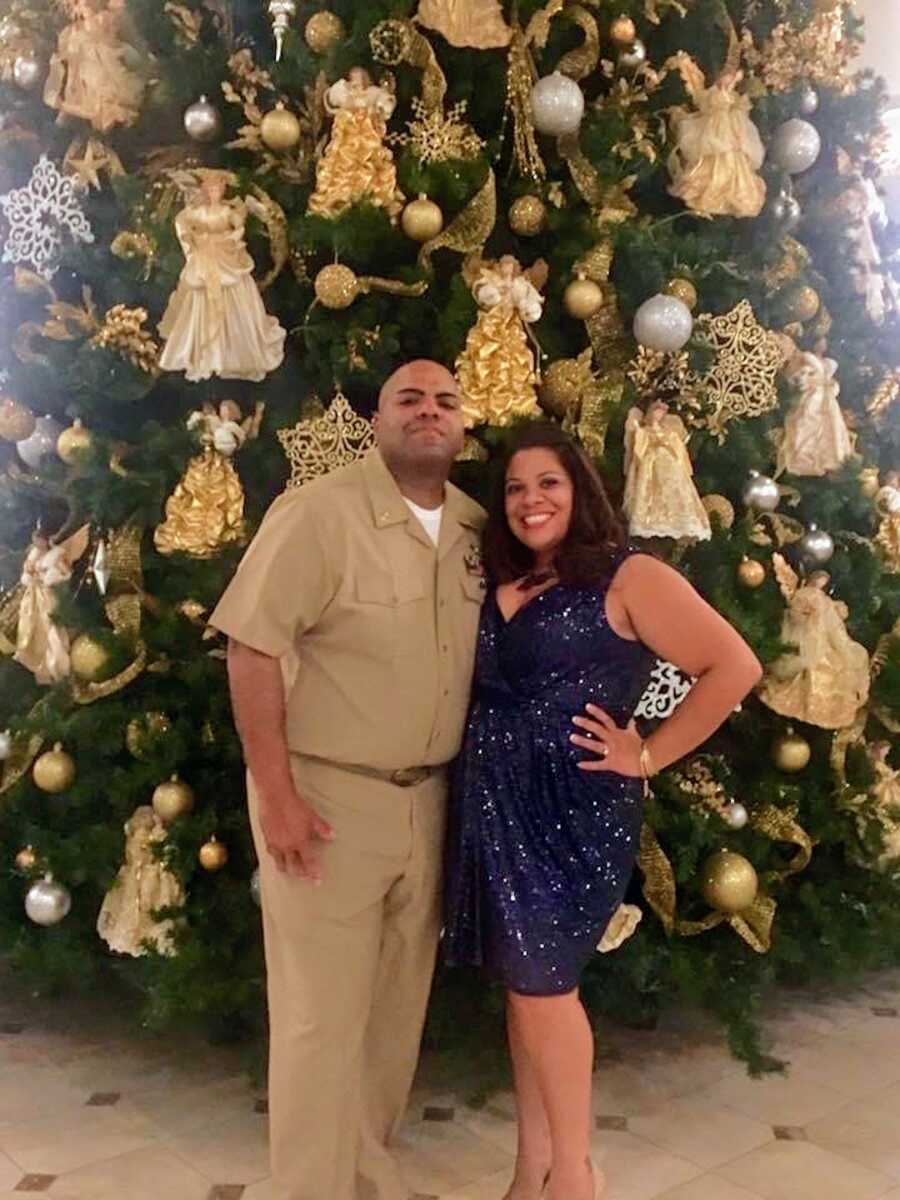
(540, 852)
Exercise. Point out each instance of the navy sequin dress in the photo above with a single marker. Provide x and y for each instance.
(540, 852)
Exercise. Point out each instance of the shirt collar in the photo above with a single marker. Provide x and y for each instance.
(389, 507)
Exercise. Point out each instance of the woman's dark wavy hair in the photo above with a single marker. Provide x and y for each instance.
(596, 532)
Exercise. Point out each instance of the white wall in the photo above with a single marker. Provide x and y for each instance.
(882, 53)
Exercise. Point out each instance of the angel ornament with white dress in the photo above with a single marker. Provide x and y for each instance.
(143, 886)
(718, 150)
(41, 645)
(661, 498)
(816, 439)
(864, 215)
(357, 163)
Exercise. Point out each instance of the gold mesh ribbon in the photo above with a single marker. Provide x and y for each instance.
(780, 825)
(520, 79)
(581, 61)
(123, 608)
(469, 229)
(23, 753)
(9, 619)
(395, 41)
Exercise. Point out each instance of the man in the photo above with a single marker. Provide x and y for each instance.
(371, 578)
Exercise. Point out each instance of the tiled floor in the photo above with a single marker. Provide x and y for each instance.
(89, 1111)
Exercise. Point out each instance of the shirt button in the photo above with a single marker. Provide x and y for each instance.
(442, 604)
(445, 648)
(446, 691)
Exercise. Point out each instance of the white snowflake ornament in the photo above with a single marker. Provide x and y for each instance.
(39, 213)
(665, 690)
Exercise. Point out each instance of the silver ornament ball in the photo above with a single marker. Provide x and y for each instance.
(28, 71)
(5, 744)
(202, 122)
(817, 544)
(663, 323)
(795, 146)
(47, 902)
(633, 56)
(42, 443)
(809, 100)
(735, 815)
(255, 890)
(786, 212)
(761, 492)
(557, 105)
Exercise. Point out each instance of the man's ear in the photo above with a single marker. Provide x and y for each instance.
(375, 416)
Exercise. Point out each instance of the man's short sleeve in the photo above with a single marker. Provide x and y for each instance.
(283, 584)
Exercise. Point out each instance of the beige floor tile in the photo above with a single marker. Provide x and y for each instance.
(10, 1172)
(51, 1147)
(264, 1190)
(705, 1136)
(802, 1171)
(492, 1124)
(438, 1157)
(235, 1151)
(186, 1109)
(854, 1069)
(29, 1093)
(638, 1170)
(143, 1175)
(709, 1187)
(491, 1187)
(775, 1099)
(867, 1133)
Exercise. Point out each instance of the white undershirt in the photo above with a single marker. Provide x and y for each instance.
(429, 518)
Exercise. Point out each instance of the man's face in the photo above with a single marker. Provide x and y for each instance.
(419, 422)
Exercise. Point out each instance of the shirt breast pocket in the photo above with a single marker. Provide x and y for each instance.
(389, 611)
(474, 587)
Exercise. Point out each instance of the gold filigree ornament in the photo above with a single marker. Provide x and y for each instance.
(122, 332)
(819, 52)
(434, 135)
(320, 444)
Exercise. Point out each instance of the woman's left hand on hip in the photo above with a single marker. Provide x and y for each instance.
(614, 748)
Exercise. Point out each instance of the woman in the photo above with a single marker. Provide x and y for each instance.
(544, 839)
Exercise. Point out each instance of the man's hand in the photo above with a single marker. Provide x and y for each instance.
(291, 829)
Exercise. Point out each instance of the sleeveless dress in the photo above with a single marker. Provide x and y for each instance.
(540, 852)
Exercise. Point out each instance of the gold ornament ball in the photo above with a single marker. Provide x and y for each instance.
(684, 291)
(90, 660)
(16, 421)
(623, 31)
(54, 771)
(559, 386)
(527, 216)
(721, 507)
(142, 732)
(74, 443)
(212, 855)
(803, 303)
(323, 31)
(422, 219)
(280, 129)
(751, 574)
(583, 298)
(172, 799)
(791, 752)
(26, 859)
(336, 286)
(869, 482)
(728, 882)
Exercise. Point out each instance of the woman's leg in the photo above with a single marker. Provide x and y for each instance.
(533, 1153)
(556, 1037)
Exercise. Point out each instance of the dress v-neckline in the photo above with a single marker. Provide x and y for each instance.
(505, 622)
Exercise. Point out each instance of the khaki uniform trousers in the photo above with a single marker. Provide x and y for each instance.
(349, 965)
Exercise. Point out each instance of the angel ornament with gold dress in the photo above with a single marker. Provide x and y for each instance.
(884, 806)
(815, 439)
(357, 163)
(93, 72)
(215, 322)
(887, 539)
(496, 367)
(824, 679)
(661, 499)
(718, 150)
(206, 510)
(478, 24)
(41, 645)
(143, 886)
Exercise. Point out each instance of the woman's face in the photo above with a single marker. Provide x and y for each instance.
(539, 496)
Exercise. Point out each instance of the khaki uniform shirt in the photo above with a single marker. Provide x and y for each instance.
(383, 623)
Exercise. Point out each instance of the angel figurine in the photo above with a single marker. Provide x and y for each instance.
(357, 163)
(824, 679)
(496, 368)
(862, 213)
(93, 73)
(215, 322)
(815, 439)
(206, 510)
(41, 645)
(718, 150)
(885, 807)
(661, 499)
(143, 885)
(887, 539)
(478, 24)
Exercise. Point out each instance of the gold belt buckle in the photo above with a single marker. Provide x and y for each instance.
(409, 776)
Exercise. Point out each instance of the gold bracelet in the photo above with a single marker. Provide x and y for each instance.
(646, 762)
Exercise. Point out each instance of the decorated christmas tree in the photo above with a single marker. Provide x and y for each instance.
(655, 221)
